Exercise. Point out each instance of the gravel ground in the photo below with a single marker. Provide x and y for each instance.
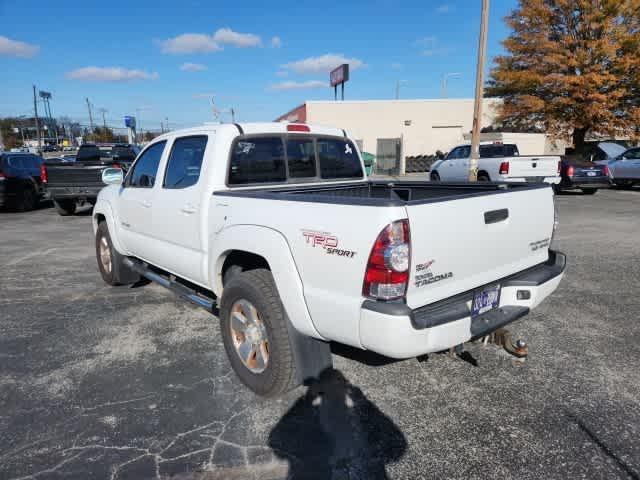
(100, 382)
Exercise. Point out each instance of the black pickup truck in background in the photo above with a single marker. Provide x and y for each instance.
(75, 183)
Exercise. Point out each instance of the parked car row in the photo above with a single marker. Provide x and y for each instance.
(502, 162)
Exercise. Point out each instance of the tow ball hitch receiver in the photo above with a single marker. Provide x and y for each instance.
(502, 337)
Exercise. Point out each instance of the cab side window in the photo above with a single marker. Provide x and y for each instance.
(257, 160)
(185, 162)
(453, 153)
(143, 174)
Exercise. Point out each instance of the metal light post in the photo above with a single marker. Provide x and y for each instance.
(398, 83)
(477, 105)
(445, 77)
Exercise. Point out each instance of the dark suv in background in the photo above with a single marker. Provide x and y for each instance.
(22, 180)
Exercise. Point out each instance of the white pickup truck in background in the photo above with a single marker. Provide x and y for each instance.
(277, 225)
(498, 163)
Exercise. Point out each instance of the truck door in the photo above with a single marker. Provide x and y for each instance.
(458, 170)
(136, 199)
(177, 210)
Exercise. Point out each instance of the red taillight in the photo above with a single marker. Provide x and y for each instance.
(44, 178)
(559, 166)
(117, 165)
(504, 168)
(2, 177)
(605, 170)
(387, 273)
(570, 171)
(297, 127)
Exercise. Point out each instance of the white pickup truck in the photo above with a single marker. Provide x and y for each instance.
(499, 162)
(277, 226)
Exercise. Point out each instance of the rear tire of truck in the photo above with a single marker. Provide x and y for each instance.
(483, 177)
(589, 191)
(254, 332)
(111, 263)
(435, 177)
(65, 207)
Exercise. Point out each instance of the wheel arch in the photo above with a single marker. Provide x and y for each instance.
(102, 212)
(253, 246)
(484, 172)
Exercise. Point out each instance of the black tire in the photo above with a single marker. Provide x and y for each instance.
(435, 176)
(65, 207)
(118, 273)
(589, 191)
(27, 200)
(483, 177)
(557, 189)
(258, 288)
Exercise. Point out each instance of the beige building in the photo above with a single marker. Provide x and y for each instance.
(421, 126)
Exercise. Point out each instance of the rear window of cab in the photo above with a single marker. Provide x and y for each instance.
(299, 158)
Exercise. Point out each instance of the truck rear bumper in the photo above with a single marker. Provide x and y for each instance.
(70, 191)
(397, 331)
(550, 180)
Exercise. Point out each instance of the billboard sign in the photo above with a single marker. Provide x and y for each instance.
(130, 122)
(339, 75)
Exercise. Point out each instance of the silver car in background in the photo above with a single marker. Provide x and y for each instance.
(624, 170)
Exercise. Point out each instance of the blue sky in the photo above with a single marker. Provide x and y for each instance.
(167, 59)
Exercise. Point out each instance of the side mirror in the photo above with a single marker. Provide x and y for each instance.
(112, 176)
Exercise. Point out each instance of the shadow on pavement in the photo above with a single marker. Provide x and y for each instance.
(362, 356)
(334, 432)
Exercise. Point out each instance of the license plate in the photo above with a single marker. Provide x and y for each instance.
(484, 300)
(591, 174)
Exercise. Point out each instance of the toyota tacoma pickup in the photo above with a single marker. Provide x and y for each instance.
(499, 162)
(276, 227)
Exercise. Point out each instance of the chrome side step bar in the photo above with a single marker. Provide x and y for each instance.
(169, 282)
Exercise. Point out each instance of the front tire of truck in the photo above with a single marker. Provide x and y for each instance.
(110, 263)
(65, 207)
(254, 332)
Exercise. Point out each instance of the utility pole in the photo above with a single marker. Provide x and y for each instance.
(477, 105)
(35, 109)
(104, 121)
(166, 123)
(90, 116)
(103, 111)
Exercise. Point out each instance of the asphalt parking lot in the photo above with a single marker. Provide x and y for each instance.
(101, 382)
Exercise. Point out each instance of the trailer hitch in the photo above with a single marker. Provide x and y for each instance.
(502, 337)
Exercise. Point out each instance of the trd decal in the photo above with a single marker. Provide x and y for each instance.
(320, 238)
(326, 241)
(424, 276)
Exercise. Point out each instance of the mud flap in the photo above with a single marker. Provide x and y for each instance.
(311, 355)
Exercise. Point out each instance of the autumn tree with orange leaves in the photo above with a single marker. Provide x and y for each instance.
(572, 68)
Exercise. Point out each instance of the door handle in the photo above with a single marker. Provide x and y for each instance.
(146, 203)
(188, 209)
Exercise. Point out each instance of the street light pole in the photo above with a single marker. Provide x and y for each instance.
(398, 83)
(35, 108)
(477, 105)
(445, 77)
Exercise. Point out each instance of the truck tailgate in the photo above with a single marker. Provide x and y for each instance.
(458, 245)
(74, 175)
(533, 168)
